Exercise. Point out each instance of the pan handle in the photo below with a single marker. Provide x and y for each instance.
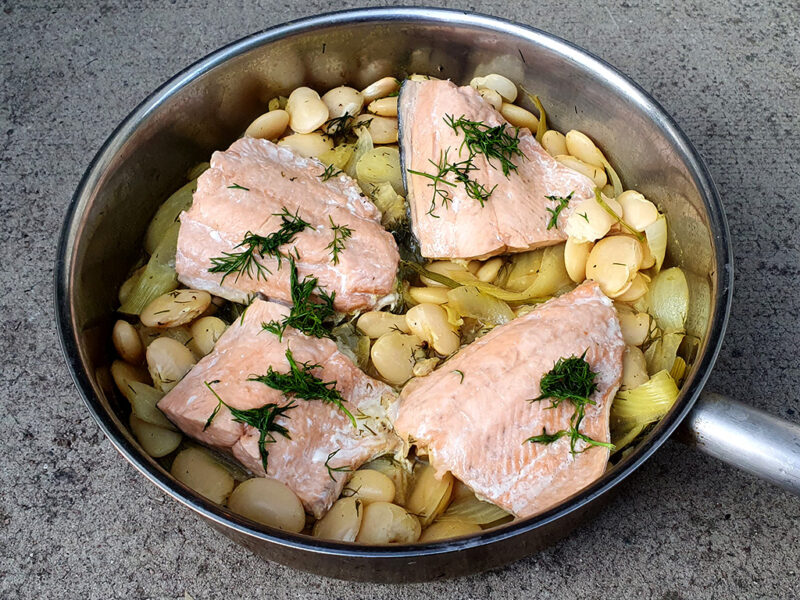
(745, 437)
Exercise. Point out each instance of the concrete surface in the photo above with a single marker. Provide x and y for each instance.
(77, 522)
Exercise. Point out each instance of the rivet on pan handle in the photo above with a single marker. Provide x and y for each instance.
(747, 438)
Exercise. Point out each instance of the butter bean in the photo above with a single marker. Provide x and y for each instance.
(581, 147)
(394, 354)
(637, 211)
(575, 257)
(382, 129)
(519, 117)
(270, 502)
(307, 144)
(268, 126)
(343, 100)
(613, 263)
(492, 97)
(554, 142)
(594, 173)
(380, 89)
(205, 333)
(429, 322)
(127, 342)
(342, 521)
(384, 107)
(376, 323)
(502, 85)
(168, 361)
(197, 469)
(431, 295)
(306, 109)
(175, 308)
(371, 486)
(386, 523)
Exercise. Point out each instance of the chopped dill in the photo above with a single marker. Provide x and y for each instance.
(340, 234)
(561, 204)
(584, 216)
(236, 186)
(330, 171)
(461, 373)
(339, 128)
(301, 383)
(305, 315)
(570, 379)
(262, 418)
(257, 246)
(332, 470)
(493, 142)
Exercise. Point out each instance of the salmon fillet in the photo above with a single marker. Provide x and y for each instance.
(316, 429)
(476, 428)
(515, 216)
(276, 178)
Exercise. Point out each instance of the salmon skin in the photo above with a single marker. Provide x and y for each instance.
(473, 415)
(317, 430)
(244, 191)
(514, 217)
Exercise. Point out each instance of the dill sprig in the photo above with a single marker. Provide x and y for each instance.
(330, 171)
(262, 418)
(493, 142)
(257, 246)
(340, 234)
(339, 128)
(460, 172)
(305, 315)
(562, 203)
(332, 470)
(236, 186)
(571, 379)
(301, 383)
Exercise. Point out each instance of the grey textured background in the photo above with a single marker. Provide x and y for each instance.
(77, 522)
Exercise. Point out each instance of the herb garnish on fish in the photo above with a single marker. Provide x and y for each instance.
(554, 212)
(301, 383)
(305, 315)
(570, 379)
(493, 142)
(257, 245)
(330, 171)
(332, 470)
(340, 234)
(236, 186)
(262, 418)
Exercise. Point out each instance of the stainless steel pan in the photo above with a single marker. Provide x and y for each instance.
(206, 106)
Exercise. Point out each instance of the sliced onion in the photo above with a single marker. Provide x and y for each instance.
(471, 510)
(661, 354)
(668, 298)
(469, 301)
(656, 234)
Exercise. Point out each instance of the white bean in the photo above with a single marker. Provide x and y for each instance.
(421, 77)
(376, 323)
(575, 256)
(123, 373)
(502, 85)
(306, 109)
(554, 142)
(205, 333)
(595, 174)
(386, 523)
(127, 342)
(446, 268)
(342, 521)
(637, 211)
(268, 126)
(430, 495)
(589, 221)
(636, 290)
(443, 530)
(581, 147)
(380, 89)
(168, 361)
(613, 263)
(307, 145)
(394, 354)
(270, 502)
(431, 295)
(382, 129)
(175, 308)
(429, 322)
(492, 97)
(371, 486)
(197, 469)
(155, 440)
(519, 117)
(343, 100)
(489, 270)
(634, 326)
(384, 107)
(634, 368)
